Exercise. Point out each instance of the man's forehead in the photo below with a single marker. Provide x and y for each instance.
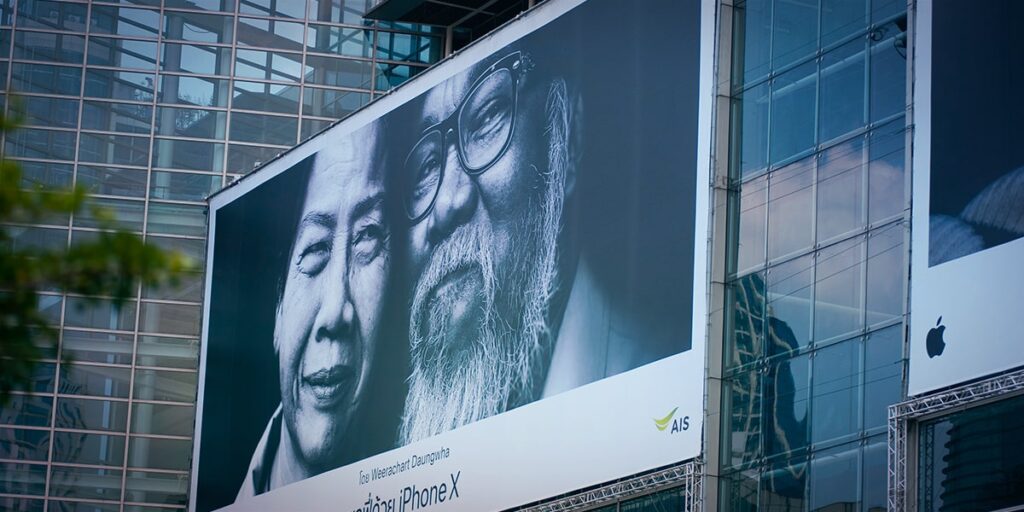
(440, 101)
(343, 172)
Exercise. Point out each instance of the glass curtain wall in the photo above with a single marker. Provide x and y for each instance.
(819, 214)
(152, 106)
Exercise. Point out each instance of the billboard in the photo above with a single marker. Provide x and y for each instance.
(968, 196)
(485, 289)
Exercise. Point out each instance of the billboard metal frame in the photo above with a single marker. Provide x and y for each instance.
(689, 474)
(904, 417)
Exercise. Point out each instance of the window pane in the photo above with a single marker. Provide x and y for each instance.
(195, 58)
(124, 21)
(747, 329)
(885, 171)
(266, 97)
(122, 53)
(242, 159)
(176, 219)
(183, 186)
(22, 478)
(888, 75)
(113, 149)
(172, 420)
(842, 90)
(128, 214)
(41, 144)
(92, 414)
(194, 91)
(793, 112)
(842, 18)
(785, 411)
(168, 352)
(338, 72)
(836, 391)
(261, 128)
(189, 122)
(189, 288)
(416, 48)
(46, 79)
(21, 444)
(144, 452)
(85, 483)
(841, 207)
(51, 15)
(837, 291)
(264, 33)
(169, 318)
(393, 75)
(789, 305)
(739, 492)
(48, 47)
(784, 487)
(332, 103)
(99, 314)
(112, 181)
(97, 347)
(117, 117)
(119, 85)
(169, 386)
(46, 173)
(311, 127)
(791, 209)
(886, 277)
(339, 11)
(834, 478)
(796, 31)
(883, 369)
(265, 65)
(744, 423)
(207, 5)
(163, 488)
(32, 411)
(273, 8)
(201, 28)
(82, 506)
(79, 448)
(753, 201)
(874, 476)
(752, 139)
(188, 154)
(346, 41)
(82, 379)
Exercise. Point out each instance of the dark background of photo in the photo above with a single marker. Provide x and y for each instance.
(977, 106)
(632, 215)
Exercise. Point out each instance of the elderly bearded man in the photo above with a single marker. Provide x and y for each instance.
(503, 312)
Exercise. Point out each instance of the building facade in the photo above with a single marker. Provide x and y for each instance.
(155, 106)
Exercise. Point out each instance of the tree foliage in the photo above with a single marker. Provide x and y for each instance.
(109, 266)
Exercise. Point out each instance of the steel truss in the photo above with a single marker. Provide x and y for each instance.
(688, 473)
(901, 416)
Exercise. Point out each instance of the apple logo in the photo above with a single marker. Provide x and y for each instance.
(934, 343)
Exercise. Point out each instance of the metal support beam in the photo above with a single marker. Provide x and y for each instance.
(689, 474)
(904, 414)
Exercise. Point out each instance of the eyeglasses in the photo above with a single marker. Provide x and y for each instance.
(482, 124)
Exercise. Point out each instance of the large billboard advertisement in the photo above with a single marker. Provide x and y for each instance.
(967, 290)
(485, 289)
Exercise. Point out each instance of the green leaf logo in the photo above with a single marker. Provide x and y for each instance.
(662, 424)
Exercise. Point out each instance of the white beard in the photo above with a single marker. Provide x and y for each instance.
(499, 369)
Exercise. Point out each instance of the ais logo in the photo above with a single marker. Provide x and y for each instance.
(678, 424)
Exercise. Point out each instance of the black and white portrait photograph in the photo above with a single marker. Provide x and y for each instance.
(521, 229)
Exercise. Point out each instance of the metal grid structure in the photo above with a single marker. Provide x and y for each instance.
(903, 414)
(689, 474)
